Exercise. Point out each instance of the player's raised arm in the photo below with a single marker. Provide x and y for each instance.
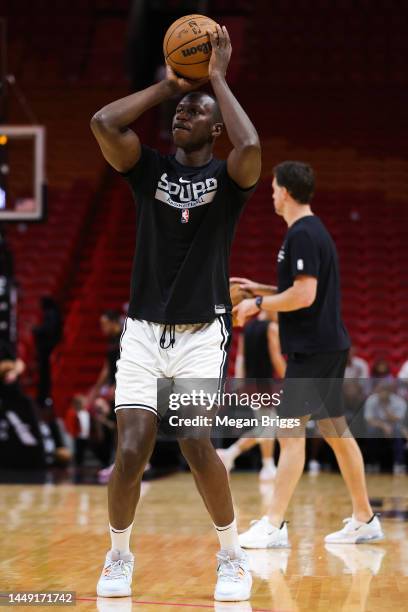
(110, 125)
(244, 161)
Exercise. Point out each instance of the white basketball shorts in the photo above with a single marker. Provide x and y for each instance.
(149, 351)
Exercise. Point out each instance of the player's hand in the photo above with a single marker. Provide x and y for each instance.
(253, 287)
(244, 311)
(221, 51)
(245, 283)
(10, 377)
(180, 85)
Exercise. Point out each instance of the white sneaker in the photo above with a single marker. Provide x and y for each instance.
(234, 578)
(357, 558)
(268, 472)
(357, 532)
(227, 606)
(226, 458)
(262, 534)
(116, 576)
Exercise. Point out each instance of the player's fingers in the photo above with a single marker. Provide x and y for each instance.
(219, 35)
(226, 35)
(238, 279)
(213, 37)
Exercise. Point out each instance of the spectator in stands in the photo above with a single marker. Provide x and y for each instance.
(111, 327)
(53, 435)
(46, 336)
(104, 388)
(78, 425)
(381, 369)
(354, 398)
(384, 412)
(403, 373)
(357, 367)
(21, 445)
(359, 370)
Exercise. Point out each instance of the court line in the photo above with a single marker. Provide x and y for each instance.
(172, 603)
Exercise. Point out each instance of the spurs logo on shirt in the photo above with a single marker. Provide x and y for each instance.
(281, 254)
(185, 194)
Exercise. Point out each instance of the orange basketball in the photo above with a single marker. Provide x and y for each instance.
(187, 46)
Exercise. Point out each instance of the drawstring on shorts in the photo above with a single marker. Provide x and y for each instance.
(172, 336)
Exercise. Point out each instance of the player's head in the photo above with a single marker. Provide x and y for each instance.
(293, 182)
(110, 322)
(197, 121)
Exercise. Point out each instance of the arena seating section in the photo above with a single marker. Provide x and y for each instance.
(326, 102)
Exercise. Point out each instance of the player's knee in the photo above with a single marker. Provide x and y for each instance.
(130, 459)
(293, 443)
(198, 453)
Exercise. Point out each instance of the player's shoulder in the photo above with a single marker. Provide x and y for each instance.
(309, 227)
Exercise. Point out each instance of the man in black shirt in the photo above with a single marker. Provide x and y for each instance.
(316, 343)
(179, 315)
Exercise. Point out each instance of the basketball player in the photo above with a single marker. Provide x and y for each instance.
(258, 357)
(316, 342)
(179, 321)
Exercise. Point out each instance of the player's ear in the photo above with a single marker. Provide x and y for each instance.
(217, 129)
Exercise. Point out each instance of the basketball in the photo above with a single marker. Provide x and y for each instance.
(187, 47)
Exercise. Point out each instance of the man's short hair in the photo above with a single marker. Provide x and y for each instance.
(216, 111)
(298, 178)
(112, 315)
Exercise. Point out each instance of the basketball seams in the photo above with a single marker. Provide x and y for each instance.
(187, 43)
(191, 64)
(170, 34)
(167, 54)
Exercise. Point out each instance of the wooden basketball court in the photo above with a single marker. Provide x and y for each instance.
(55, 537)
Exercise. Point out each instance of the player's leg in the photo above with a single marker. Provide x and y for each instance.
(212, 482)
(270, 531)
(136, 437)
(228, 455)
(202, 354)
(364, 525)
(136, 412)
(268, 471)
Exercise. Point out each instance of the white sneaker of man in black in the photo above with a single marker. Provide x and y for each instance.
(234, 578)
(262, 534)
(357, 532)
(116, 576)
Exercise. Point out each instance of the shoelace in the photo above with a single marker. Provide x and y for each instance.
(117, 569)
(228, 568)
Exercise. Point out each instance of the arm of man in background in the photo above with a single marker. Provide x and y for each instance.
(244, 161)
(119, 144)
(253, 287)
(302, 294)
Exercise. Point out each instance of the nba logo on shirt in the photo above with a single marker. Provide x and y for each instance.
(185, 214)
